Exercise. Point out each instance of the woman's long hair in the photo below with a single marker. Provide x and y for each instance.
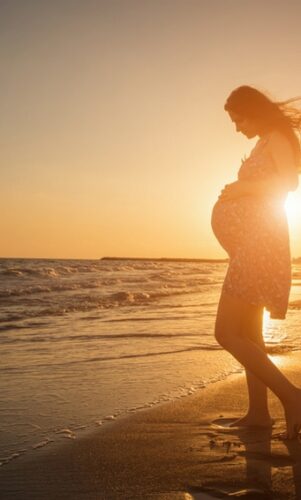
(269, 115)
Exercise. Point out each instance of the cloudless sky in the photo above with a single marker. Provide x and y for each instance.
(113, 136)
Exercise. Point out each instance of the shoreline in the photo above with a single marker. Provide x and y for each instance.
(177, 450)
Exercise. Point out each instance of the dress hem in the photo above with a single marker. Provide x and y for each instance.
(273, 314)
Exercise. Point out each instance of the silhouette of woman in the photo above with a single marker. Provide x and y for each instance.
(250, 223)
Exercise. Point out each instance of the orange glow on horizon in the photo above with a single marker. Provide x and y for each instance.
(117, 142)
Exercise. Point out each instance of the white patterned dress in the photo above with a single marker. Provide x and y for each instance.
(254, 232)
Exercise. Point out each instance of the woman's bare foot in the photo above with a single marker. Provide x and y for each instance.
(293, 416)
(253, 421)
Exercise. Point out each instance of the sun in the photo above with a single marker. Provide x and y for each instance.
(293, 211)
(293, 208)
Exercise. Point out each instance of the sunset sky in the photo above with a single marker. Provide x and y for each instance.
(113, 136)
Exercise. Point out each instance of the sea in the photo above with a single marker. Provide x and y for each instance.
(84, 342)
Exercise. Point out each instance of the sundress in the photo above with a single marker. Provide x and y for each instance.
(254, 232)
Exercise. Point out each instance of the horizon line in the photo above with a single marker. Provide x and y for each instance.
(162, 259)
(121, 258)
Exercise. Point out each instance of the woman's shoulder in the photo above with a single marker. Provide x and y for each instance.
(277, 139)
(273, 144)
(284, 157)
(278, 145)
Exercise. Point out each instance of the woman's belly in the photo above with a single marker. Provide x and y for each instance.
(240, 221)
(230, 220)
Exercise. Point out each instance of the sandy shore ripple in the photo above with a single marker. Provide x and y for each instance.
(180, 450)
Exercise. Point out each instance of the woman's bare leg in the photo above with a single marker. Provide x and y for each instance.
(258, 412)
(230, 317)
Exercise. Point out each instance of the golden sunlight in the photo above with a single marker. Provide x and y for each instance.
(266, 321)
(293, 207)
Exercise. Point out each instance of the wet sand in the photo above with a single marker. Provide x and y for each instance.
(179, 450)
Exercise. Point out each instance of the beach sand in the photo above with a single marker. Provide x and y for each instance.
(178, 450)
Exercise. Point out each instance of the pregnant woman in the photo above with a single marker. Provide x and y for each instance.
(250, 223)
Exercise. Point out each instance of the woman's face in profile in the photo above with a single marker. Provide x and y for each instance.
(246, 126)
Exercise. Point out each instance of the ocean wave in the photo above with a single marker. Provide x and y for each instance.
(89, 337)
(129, 297)
(79, 302)
(296, 304)
(28, 271)
(11, 272)
(47, 289)
(39, 271)
(271, 349)
(23, 290)
(107, 358)
(280, 348)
